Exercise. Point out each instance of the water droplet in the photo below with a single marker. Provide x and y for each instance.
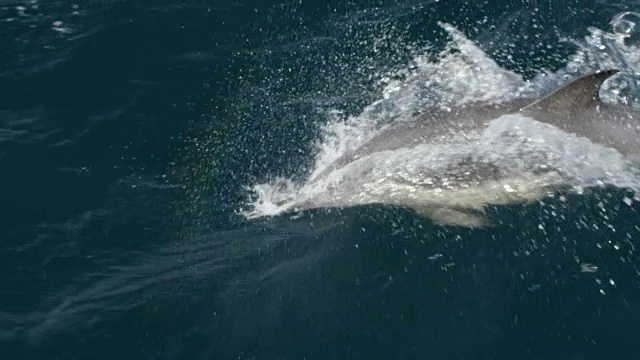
(590, 268)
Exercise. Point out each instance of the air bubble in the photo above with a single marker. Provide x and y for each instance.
(625, 26)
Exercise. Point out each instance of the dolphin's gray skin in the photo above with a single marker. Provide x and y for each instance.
(574, 108)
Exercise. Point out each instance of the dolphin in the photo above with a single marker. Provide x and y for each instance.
(575, 108)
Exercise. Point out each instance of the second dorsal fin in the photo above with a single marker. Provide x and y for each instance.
(581, 93)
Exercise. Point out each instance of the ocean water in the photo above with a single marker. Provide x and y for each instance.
(146, 148)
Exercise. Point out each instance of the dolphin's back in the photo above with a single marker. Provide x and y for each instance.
(575, 107)
(427, 128)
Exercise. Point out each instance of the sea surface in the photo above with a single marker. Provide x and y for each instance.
(145, 145)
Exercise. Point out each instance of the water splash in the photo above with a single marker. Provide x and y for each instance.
(515, 145)
(464, 74)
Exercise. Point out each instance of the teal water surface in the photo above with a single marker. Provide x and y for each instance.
(130, 131)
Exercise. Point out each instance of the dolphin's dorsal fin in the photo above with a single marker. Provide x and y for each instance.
(581, 93)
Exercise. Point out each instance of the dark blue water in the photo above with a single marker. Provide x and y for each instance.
(128, 135)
